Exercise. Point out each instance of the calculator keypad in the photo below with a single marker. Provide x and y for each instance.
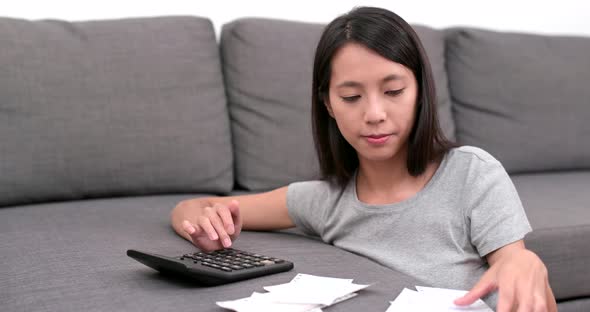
(231, 259)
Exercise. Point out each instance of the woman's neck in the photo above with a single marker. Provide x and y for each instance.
(377, 175)
(386, 182)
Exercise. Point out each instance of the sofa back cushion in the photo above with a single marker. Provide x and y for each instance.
(268, 67)
(524, 98)
(105, 108)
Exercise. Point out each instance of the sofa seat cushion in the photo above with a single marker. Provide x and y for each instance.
(118, 107)
(576, 305)
(558, 207)
(71, 256)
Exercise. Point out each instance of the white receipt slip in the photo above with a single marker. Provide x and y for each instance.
(433, 300)
(305, 293)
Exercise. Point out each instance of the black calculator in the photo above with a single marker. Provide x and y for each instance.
(216, 267)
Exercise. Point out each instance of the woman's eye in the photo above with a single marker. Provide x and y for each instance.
(394, 92)
(350, 99)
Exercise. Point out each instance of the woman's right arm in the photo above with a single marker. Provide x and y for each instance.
(214, 222)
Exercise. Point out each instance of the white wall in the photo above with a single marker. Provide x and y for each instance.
(542, 16)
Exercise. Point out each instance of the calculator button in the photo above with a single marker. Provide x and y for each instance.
(228, 260)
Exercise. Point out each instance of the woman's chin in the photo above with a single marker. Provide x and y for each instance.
(385, 153)
(378, 156)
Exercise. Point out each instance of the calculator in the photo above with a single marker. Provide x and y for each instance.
(216, 267)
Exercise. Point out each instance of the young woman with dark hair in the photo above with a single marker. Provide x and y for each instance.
(393, 188)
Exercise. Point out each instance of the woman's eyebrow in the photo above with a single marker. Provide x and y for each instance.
(350, 83)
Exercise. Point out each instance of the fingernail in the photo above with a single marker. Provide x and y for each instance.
(188, 227)
(214, 236)
(227, 242)
(230, 229)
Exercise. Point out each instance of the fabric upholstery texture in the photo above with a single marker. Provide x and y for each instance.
(70, 256)
(579, 305)
(268, 66)
(558, 208)
(118, 107)
(524, 98)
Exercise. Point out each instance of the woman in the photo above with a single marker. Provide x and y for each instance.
(393, 188)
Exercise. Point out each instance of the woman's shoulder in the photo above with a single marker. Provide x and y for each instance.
(474, 171)
(313, 193)
(472, 154)
(466, 163)
(325, 191)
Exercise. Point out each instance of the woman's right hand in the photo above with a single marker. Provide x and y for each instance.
(216, 227)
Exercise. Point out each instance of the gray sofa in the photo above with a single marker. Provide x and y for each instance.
(106, 125)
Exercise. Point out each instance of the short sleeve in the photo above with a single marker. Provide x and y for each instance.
(495, 212)
(307, 203)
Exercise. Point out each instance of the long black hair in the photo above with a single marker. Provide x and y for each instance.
(393, 38)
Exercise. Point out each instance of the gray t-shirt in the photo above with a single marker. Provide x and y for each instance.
(440, 236)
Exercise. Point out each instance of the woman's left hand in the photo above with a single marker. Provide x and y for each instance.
(521, 279)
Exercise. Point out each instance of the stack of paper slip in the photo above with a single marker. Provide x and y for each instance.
(305, 293)
(433, 300)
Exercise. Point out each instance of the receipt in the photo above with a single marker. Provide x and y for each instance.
(304, 293)
(433, 300)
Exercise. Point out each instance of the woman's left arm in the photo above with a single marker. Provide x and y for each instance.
(520, 277)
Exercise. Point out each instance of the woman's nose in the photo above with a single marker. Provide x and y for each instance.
(375, 112)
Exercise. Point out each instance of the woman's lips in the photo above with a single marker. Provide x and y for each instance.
(378, 139)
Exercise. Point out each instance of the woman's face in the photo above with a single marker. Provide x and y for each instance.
(373, 101)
